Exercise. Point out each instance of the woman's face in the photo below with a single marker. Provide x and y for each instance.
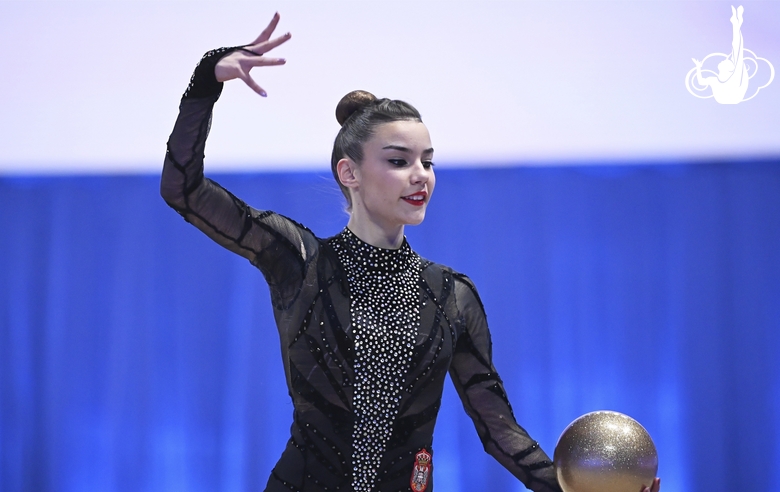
(395, 180)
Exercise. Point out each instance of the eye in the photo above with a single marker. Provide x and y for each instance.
(397, 162)
(427, 164)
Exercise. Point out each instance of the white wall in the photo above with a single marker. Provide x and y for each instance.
(94, 86)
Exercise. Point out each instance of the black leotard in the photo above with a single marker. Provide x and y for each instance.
(367, 334)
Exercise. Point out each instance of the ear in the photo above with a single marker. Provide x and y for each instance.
(348, 172)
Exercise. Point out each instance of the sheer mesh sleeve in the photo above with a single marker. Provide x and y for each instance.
(482, 393)
(281, 248)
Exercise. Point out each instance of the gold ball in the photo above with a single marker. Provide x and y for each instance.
(605, 452)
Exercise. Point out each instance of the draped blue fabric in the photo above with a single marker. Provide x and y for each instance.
(136, 355)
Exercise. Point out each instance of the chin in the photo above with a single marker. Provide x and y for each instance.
(417, 220)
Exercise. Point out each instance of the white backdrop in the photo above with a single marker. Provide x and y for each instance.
(94, 86)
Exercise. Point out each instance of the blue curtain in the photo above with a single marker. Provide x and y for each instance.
(136, 355)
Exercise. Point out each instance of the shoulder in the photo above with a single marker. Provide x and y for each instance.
(459, 284)
(431, 268)
(286, 222)
(284, 226)
(275, 235)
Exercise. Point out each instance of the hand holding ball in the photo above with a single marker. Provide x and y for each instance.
(605, 452)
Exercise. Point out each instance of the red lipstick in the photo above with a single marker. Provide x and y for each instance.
(416, 199)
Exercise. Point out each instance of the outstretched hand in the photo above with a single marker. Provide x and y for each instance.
(656, 487)
(237, 64)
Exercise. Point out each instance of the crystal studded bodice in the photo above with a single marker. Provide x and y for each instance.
(367, 335)
(385, 313)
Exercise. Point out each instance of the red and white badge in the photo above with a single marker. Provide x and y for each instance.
(421, 471)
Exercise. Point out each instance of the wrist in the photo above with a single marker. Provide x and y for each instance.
(203, 82)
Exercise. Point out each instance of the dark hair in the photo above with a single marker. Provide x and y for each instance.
(359, 113)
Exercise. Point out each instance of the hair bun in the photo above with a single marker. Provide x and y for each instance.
(352, 102)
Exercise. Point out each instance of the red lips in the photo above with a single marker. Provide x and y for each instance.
(416, 199)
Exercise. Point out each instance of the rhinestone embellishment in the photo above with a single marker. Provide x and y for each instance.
(385, 312)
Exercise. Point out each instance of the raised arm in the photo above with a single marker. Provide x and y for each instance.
(281, 248)
(737, 43)
(482, 393)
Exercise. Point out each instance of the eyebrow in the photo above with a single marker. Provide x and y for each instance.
(405, 149)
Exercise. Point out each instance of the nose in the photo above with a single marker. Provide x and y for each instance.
(420, 174)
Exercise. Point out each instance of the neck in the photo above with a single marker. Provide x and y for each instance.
(375, 235)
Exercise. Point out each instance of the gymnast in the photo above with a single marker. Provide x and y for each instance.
(368, 328)
(731, 83)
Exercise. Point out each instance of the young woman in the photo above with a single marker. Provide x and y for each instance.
(368, 328)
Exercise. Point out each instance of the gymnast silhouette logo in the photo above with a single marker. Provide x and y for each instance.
(735, 70)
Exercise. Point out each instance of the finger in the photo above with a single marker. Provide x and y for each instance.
(252, 84)
(267, 46)
(656, 485)
(264, 61)
(266, 34)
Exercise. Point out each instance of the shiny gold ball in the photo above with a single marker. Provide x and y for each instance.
(605, 452)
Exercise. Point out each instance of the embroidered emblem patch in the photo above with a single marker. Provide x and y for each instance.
(421, 471)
